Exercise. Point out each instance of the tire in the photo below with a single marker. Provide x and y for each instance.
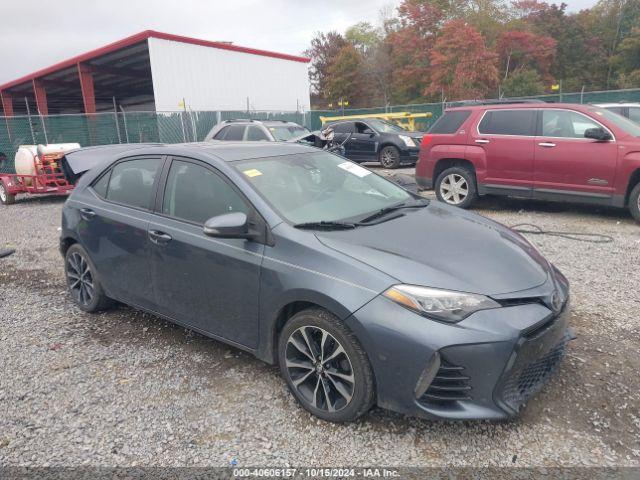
(6, 198)
(389, 157)
(634, 202)
(88, 295)
(464, 191)
(350, 395)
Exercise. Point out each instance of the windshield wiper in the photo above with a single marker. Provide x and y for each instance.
(327, 225)
(393, 208)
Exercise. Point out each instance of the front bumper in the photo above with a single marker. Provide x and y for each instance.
(490, 364)
(409, 155)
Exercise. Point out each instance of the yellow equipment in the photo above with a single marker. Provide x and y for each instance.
(406, 120)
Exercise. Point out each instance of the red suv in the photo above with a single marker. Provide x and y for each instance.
(565, 152)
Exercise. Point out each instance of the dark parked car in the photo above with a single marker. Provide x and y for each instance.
(362, 292)
(255, 131)
(559, 152)
(373, 139)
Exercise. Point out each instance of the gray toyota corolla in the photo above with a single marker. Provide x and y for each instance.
(361, 292)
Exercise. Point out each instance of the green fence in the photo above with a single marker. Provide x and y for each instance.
(189, 126)
(123, 127)
(631, 95)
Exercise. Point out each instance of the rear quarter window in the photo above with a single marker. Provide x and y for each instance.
(450, 122)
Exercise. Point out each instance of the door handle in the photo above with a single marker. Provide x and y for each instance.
(547, 144)
(482, 140)
(87, 214)
(159, 238)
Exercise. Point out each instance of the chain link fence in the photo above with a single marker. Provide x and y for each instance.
(436, 109)
(193, 126)
(120, 127)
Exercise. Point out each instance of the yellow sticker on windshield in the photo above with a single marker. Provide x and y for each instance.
(252, 172)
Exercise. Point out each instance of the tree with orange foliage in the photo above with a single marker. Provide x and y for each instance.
(520, 50)
(461, 65)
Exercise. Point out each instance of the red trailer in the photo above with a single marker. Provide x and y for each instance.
(44, 173)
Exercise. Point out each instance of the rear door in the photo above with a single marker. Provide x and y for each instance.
(569, 165)
(115, 228)
(507, 138)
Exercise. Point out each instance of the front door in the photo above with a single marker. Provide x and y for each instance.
(507, 137)
(211, 284)
(114, 230)
(363, 142)
(567, 163)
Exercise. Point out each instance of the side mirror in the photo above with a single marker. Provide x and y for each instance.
(368, 131)
(228, 225)
(597, 133)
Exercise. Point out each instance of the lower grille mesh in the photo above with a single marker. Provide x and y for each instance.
(524, 382)
(449, 385)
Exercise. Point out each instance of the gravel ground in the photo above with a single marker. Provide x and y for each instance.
(125, 388)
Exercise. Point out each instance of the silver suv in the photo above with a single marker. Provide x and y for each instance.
(256, 131)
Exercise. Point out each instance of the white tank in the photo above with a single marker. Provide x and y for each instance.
(25, 161)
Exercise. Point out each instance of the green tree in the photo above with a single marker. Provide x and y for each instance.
(323, 51)
(347, 79)
(523, 83)
(627, 60)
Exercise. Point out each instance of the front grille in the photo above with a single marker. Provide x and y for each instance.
(449, 385)
(524, 382)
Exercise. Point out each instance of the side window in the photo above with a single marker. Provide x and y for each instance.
(362, 128)
(100, 187)
(450, 122)
(131, 182)
(235, 132)
(618, 110)
(195, 193)
(508, 122)
(565, 124)
(256, 134)
(345, 127)
(634, 114)
(220, 135)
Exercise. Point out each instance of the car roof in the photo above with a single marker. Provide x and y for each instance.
(621, 104)
(225, 151)
(248, 121)
(512, 106)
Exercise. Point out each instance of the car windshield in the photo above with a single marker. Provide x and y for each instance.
(385, 127)
(287, 132)
(319, 186)
(619, 121)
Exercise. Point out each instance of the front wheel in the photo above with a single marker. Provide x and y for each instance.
(83, 282)
(634, 202)
(456, 186)
(6, 198)
(325, 367)
(389, 157)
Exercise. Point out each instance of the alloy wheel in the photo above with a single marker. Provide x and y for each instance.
(3, 193)
(388, 158)
(80, 279)
(454, 189)
(319, 369)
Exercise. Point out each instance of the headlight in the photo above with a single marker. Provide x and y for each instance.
(444, 305)
(408, 141)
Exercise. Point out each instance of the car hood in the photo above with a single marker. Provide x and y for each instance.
(445, 247)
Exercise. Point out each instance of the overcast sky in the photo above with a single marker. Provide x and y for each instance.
(37, 33)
